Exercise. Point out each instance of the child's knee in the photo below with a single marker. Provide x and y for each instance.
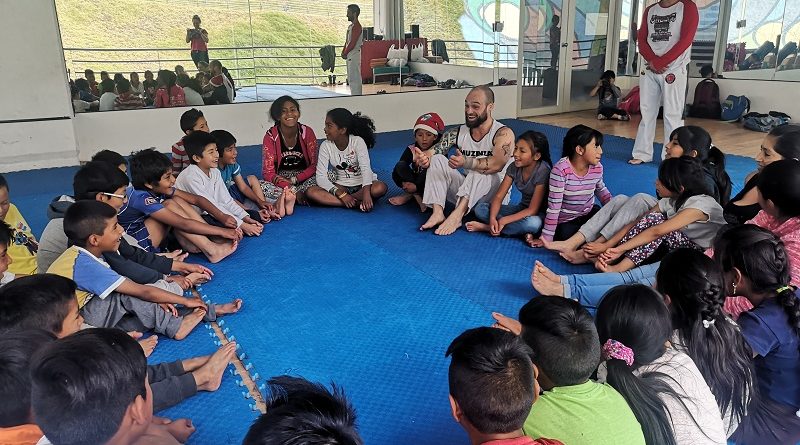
(378, 189)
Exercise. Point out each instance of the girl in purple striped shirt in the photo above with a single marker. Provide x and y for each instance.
(574, 182)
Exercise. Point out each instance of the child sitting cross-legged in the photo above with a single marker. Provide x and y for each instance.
(17, 425)
(107, 299)
(203, 178)
(48, 301)
(107, 393)
(261, 199)
(301, 410)
(530, 173)
(154, 207)
(493, 386)
(23, 245)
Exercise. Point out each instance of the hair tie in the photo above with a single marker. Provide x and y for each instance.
(783, 288)
(616, 350)
(707, 324)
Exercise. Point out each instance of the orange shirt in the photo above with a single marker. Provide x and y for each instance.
(28, 434)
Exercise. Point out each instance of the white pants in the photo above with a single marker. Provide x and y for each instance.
(444, 184)
(354, 72)
(667, 89)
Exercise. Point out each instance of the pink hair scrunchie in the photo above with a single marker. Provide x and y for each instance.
(616, 350)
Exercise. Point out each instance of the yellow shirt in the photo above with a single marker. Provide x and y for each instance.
(23, 244)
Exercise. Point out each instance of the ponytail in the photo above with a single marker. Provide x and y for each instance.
(715, 164)
(787, 298)
(356, 124)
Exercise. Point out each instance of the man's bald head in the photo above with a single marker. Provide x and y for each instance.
(487, 93)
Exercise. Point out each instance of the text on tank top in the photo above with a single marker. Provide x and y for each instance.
(477, 149)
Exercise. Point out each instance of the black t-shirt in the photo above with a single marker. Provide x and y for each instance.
(292, 157)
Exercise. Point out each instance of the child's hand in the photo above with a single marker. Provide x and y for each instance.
(496, 226)
(420, 159)
(366, 203)
(198, 278)
(594, 248)
(348, 201)
(232, 234)
(611, 254)
(195, 303)
(252, 229)
(457, 160)
(229, 221)
(169, 308)
(264, 215)
(182, 281)
(188, 268)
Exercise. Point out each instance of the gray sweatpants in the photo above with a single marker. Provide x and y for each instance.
(444, 184)
(616, 214)
(170, 383)
(133, 314)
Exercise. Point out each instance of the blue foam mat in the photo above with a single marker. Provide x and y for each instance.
(366, 301)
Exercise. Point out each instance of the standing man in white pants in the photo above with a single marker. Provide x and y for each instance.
(665, 41)
(352, 49)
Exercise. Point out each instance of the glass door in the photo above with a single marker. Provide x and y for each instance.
(587, 59)
(541, 47)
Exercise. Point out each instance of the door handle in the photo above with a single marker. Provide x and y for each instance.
(564, 45)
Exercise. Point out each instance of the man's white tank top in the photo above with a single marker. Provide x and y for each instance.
(477, 149)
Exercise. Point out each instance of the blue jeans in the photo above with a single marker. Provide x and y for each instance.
(529, 224)
(588, 289)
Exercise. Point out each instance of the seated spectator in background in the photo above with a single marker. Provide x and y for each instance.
(109, 96)
(297, 408)
(191, 90)
(103, 76)
(566, 351)
(202, 66)
(106, 390)
(84, 91)
(219, 86)
(203, 178)
(113, 158)
(127, 100)
(168, 93)
(230, 78)
(79, 105)
(17, 425)
(179, 70)
(609, 95)
(5, 259)
(150, 87)
(191, 120)
(137, 87)
(24, 246)
(93, 87)
(492, 386)
(118, 77)
(707, 72)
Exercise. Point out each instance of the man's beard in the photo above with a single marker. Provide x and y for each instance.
(478, 121)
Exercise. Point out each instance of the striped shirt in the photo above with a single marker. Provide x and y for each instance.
(127, 101)
(180, 160)
(572, 196)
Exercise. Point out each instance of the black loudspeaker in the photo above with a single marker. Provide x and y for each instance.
(414, 31)
(369, 33)
(408, 35)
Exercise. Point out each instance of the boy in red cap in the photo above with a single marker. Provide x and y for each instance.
(407, 173)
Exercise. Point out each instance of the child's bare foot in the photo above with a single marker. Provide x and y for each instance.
(177, 255)
(209, 376)
(189, 322)
(450, 225)
(198, 278)
(547, 273)
(574, 256)
(422, 207)
(220, 251)
(289, 200)
(149, 344)
(229, 308)
(400, 199)
(543, 285)
(557, 246)
(436, 218)
(191, 364)
(476, 226)
(506, 323)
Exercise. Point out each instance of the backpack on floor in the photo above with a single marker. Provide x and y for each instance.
(630, 103)
(734, 108)
(706, 100)
(765, 122)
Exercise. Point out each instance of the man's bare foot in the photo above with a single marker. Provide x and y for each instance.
(422, 207)
(209, 376)
(436, 218)
(220, 251)
(198, 278)
(289, 201)
(149, 344)
(189, 322)
(229, 308)
(507, 323)
(545, 286)
(635, 161)
(400, 199)
(574, 256)
(191, 364)
(450, 225)
(476, 226)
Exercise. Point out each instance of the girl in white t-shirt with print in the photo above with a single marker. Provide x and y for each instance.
(352, 183)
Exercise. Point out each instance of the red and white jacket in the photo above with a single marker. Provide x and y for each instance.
(272, 154)
(666, 34)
